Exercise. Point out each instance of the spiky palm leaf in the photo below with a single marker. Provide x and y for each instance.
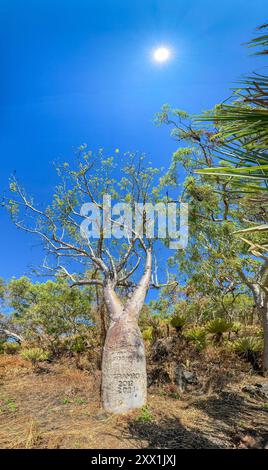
(260, 41)
(242, 139)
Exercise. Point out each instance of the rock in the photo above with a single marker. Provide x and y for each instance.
(182, 377)
(263, 388)
(250, 389)
(179, 377)
(190, 377)
(161, 349)
(102, 416)
(259, 390)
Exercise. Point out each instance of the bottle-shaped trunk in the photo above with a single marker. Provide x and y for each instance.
(124, 380)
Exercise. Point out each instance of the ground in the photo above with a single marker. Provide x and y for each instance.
(58, 406)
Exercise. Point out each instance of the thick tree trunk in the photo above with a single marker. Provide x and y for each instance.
(261, 300)
(124, 381)
(260, 296)
(265, 333)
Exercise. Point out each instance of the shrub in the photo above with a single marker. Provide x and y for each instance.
(178, 322)
(248, 343)
(145, 415)
(164, 325)
(147, 334)
(35, 355)
(198, 335)
(9, 347)
(249, 348)
(236, 327)
(155, 328)
(217, 327)
(78, 345)
(260, 333)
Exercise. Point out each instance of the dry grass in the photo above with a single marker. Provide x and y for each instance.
(59, 407)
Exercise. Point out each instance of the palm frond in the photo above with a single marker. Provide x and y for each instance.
(242, 136)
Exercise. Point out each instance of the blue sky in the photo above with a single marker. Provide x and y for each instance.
(81, 71)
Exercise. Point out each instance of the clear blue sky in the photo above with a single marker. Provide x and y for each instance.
(75, 71)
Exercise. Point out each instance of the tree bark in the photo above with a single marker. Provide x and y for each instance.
(261, 301)
(10, 334)
(124, 379)
(260, 295)
(265, 334)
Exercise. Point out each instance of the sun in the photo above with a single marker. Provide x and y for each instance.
(161, 54)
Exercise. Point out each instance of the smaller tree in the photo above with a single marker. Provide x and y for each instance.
(242, 141)
(50, 313)
(7, 330)
(217, 261)
(35, 355)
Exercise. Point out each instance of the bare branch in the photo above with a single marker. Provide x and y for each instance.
(88, 282)
(124, 278)
(11, 334)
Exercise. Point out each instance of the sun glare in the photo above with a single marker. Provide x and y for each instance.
(161, 54)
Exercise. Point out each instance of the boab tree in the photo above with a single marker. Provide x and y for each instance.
(91, 245)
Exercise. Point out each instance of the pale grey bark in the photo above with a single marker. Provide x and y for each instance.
(265, 332)
(259, 289)
(10, 334)
(124, 380)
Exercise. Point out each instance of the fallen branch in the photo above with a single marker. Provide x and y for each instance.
(10, 334)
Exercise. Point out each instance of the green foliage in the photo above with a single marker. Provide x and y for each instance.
(178, 322)
(50, 313)
(198, 336)
(249, 348)
(127, 177)
(215, 265)
(154, 324)
(248, 344)
(80, 401)
(47, 313)
(78, 344)
(242, 139)
(216, 260)
(35, 355)
(236, 327)
(260, 333)
(147, 334)
(9, 347)
(2, 289)
(261, 40)
(10, 405)
(65, 401)
(217, 327)
(145, 415)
